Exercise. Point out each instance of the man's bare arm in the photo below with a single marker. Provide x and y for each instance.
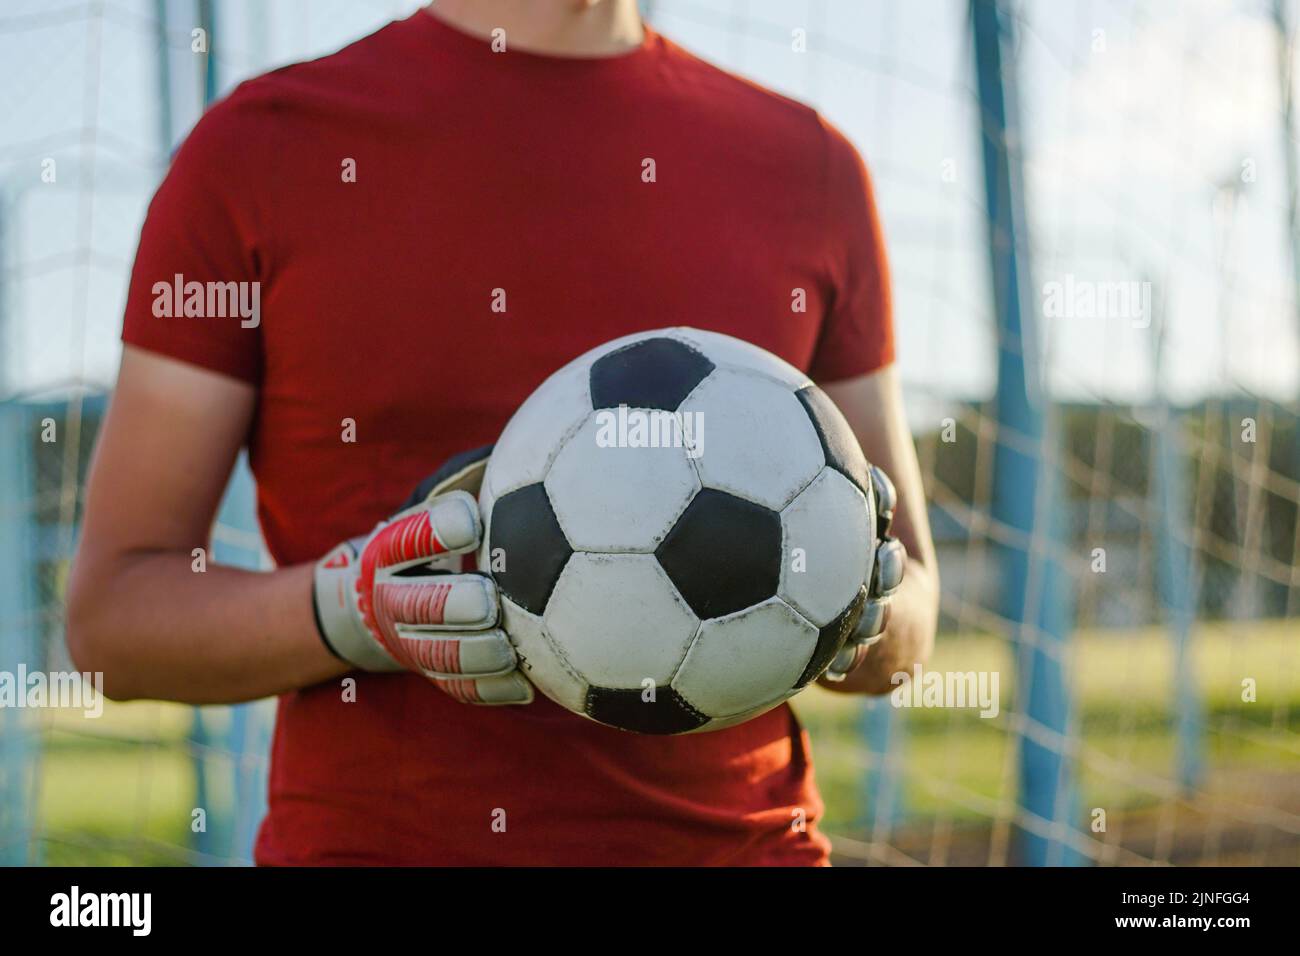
(873, 405)
(137, 611)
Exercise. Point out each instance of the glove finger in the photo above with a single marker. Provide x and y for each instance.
(872, 623)
(444, 563)
(435, 602)
(441, 655)
(511, 688)
(887, 574)
(886, 500)
(845, 662)
(447, 524)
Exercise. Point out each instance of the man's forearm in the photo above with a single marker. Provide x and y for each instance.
(908, 639)
(158, 629)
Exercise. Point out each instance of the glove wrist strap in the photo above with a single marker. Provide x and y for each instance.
(337, 616)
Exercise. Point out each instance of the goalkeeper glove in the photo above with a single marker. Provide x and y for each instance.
(398, 599)
(886, 576)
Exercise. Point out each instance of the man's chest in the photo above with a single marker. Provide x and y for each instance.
(431, 306)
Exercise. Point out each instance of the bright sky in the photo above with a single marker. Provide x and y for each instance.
(1135, 116)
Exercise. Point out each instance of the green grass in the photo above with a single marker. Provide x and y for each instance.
(121, 789)
(116, 806)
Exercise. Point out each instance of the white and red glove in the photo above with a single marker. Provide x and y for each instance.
(886, 576)
(398, 599)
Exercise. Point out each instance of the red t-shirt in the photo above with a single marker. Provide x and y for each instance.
(380, 196)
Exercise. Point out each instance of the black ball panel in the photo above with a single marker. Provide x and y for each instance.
(723, 554)
(831, 638)
(652, 373)
(668, 713)
(524, 526)
(839, 444)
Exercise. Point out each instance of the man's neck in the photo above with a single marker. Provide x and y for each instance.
(574, 28)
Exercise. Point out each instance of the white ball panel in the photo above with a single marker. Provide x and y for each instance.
(728, 351)
(757, 440)
(535, 434)
(539, 660)
(618, 499)
(618, 619)
(751, 656)
(830, 521)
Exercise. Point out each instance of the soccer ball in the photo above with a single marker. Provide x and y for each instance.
(681, 526)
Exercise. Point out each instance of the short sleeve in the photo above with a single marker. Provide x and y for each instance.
(857, 334)
(195, 290)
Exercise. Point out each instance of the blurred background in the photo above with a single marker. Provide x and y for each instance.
(1091, 210)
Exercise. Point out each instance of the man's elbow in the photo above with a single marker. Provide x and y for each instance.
(90, 639)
